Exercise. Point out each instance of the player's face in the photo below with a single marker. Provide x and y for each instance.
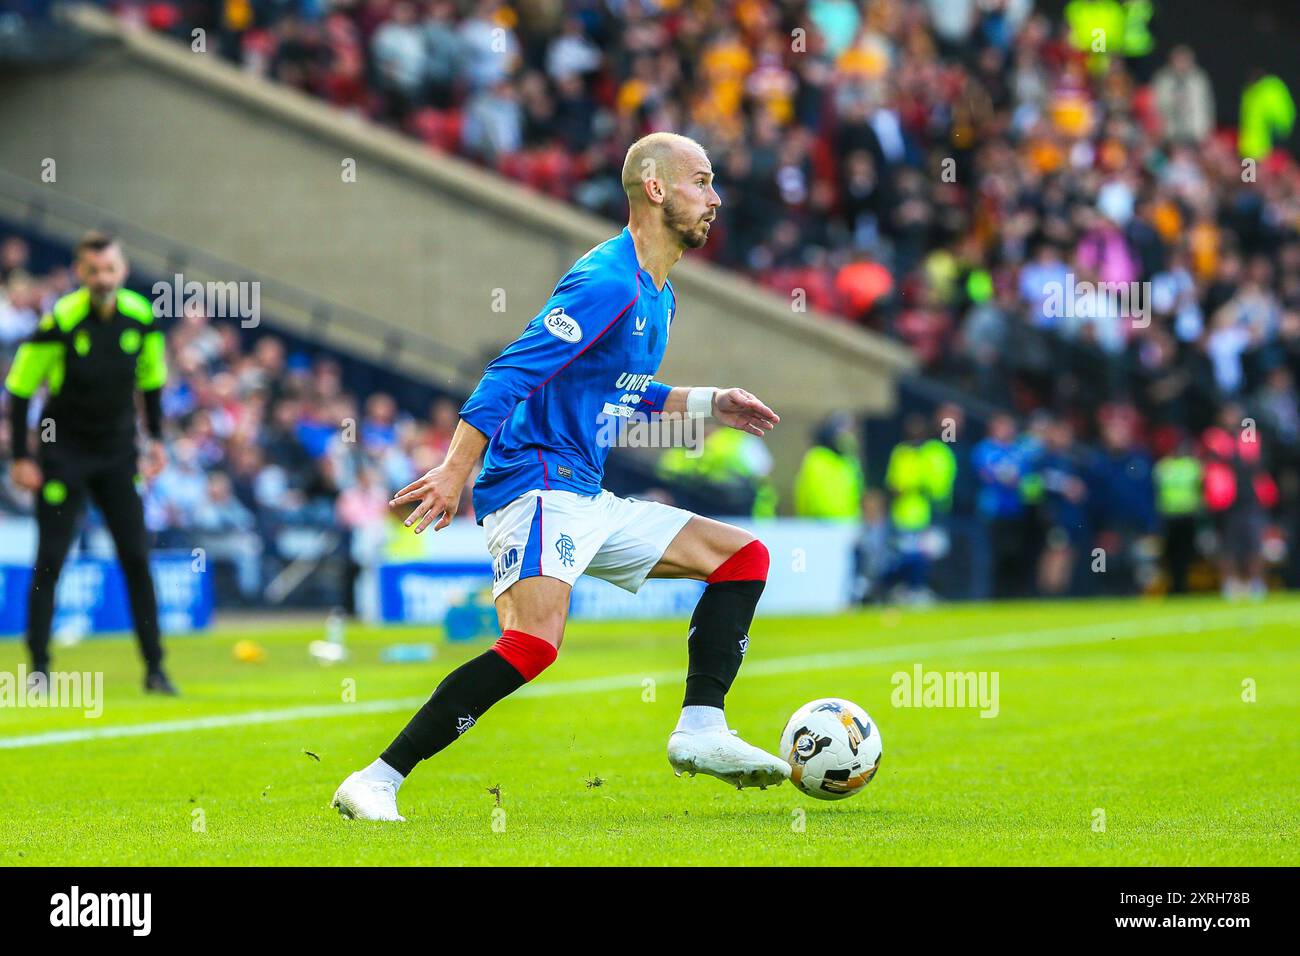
(692, 204)
(102, 271)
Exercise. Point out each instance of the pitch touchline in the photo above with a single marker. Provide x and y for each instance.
(1013, 640)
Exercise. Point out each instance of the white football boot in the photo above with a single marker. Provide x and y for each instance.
(722, 754)
(360, 799)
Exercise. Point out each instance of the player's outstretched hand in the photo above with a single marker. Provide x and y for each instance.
(438, 495)
(739, 409)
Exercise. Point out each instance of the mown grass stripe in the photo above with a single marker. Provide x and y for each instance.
(989, 643)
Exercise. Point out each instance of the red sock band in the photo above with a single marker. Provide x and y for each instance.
(750, 563)
(525, 653)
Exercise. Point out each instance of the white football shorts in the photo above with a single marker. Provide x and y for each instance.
(562, 534)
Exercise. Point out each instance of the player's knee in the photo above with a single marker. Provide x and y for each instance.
(536, 606)
(750, 562)
(526, 653)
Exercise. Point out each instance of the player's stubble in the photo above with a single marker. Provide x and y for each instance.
(692, 230)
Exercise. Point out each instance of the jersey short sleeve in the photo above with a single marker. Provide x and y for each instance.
(151, 366)
(34, 359)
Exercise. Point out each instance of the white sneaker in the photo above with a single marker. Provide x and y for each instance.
(360, 799)
(721, 754)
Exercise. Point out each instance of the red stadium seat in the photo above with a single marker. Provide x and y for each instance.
(441, 129)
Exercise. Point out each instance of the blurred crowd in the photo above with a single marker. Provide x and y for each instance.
(263, 441)
(920, 166)
(947, 172)
(1005, 509)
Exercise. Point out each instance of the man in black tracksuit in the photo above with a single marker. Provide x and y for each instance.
(94, 350)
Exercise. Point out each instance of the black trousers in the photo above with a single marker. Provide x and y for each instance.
(1013, 562)
(108, 479)
(1180, 550)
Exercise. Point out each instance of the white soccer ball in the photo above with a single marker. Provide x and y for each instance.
(833, 748)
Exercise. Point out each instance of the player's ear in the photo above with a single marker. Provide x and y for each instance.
(651, 181)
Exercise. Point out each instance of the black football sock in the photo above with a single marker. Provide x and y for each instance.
(718, 638)
(465, 695)
(719, 633)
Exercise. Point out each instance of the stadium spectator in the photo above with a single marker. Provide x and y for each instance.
(177, 493)
(1238, 492)
(1065, 504)
(732, 469)
(1000, 468)
(1122, 500)
(399, 54)
(228, 532)
(1178, 501)
(19, 305)
(1184, 98)
(829, 482)
(872, 554)
(910, 482)
(15, 256)
(1267, 112)
(494, 122)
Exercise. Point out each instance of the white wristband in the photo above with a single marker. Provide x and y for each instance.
(699, 403)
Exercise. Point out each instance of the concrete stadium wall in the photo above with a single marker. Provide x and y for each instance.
(191, 148)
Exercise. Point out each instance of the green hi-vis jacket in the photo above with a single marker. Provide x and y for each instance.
(92, 366)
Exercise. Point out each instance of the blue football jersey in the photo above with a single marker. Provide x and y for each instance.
(589, 356)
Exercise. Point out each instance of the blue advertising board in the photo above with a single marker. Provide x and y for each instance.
(420, 592)
(811, 573)
(91, 596)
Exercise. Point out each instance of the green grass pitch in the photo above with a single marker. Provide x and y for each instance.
(1127, 733)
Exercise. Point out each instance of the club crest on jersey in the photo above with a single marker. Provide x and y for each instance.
(562, 325)
(564, 547)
